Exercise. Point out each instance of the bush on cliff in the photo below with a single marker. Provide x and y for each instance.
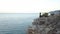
(45, 15)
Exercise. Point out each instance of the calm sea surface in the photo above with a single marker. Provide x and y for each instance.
(15, 23)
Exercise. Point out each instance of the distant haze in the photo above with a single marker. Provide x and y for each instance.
(28, 6)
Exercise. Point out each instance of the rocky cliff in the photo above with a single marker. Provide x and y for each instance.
(45, 25)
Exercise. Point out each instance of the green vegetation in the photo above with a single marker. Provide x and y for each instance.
(44, 15)
(52, 14)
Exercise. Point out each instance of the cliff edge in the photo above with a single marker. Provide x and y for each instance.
(46, 24)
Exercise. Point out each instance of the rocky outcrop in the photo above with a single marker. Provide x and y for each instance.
(46, 25)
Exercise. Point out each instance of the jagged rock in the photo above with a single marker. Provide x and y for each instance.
(46, 25)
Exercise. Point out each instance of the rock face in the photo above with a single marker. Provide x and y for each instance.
(45, 25)
(56, 12)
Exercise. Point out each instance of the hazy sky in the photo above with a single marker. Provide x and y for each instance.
(28, 6)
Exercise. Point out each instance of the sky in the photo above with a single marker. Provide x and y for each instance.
(28, 6)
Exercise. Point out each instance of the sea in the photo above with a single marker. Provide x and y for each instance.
(16, 23)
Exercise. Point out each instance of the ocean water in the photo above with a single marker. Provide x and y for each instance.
(16, 23)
